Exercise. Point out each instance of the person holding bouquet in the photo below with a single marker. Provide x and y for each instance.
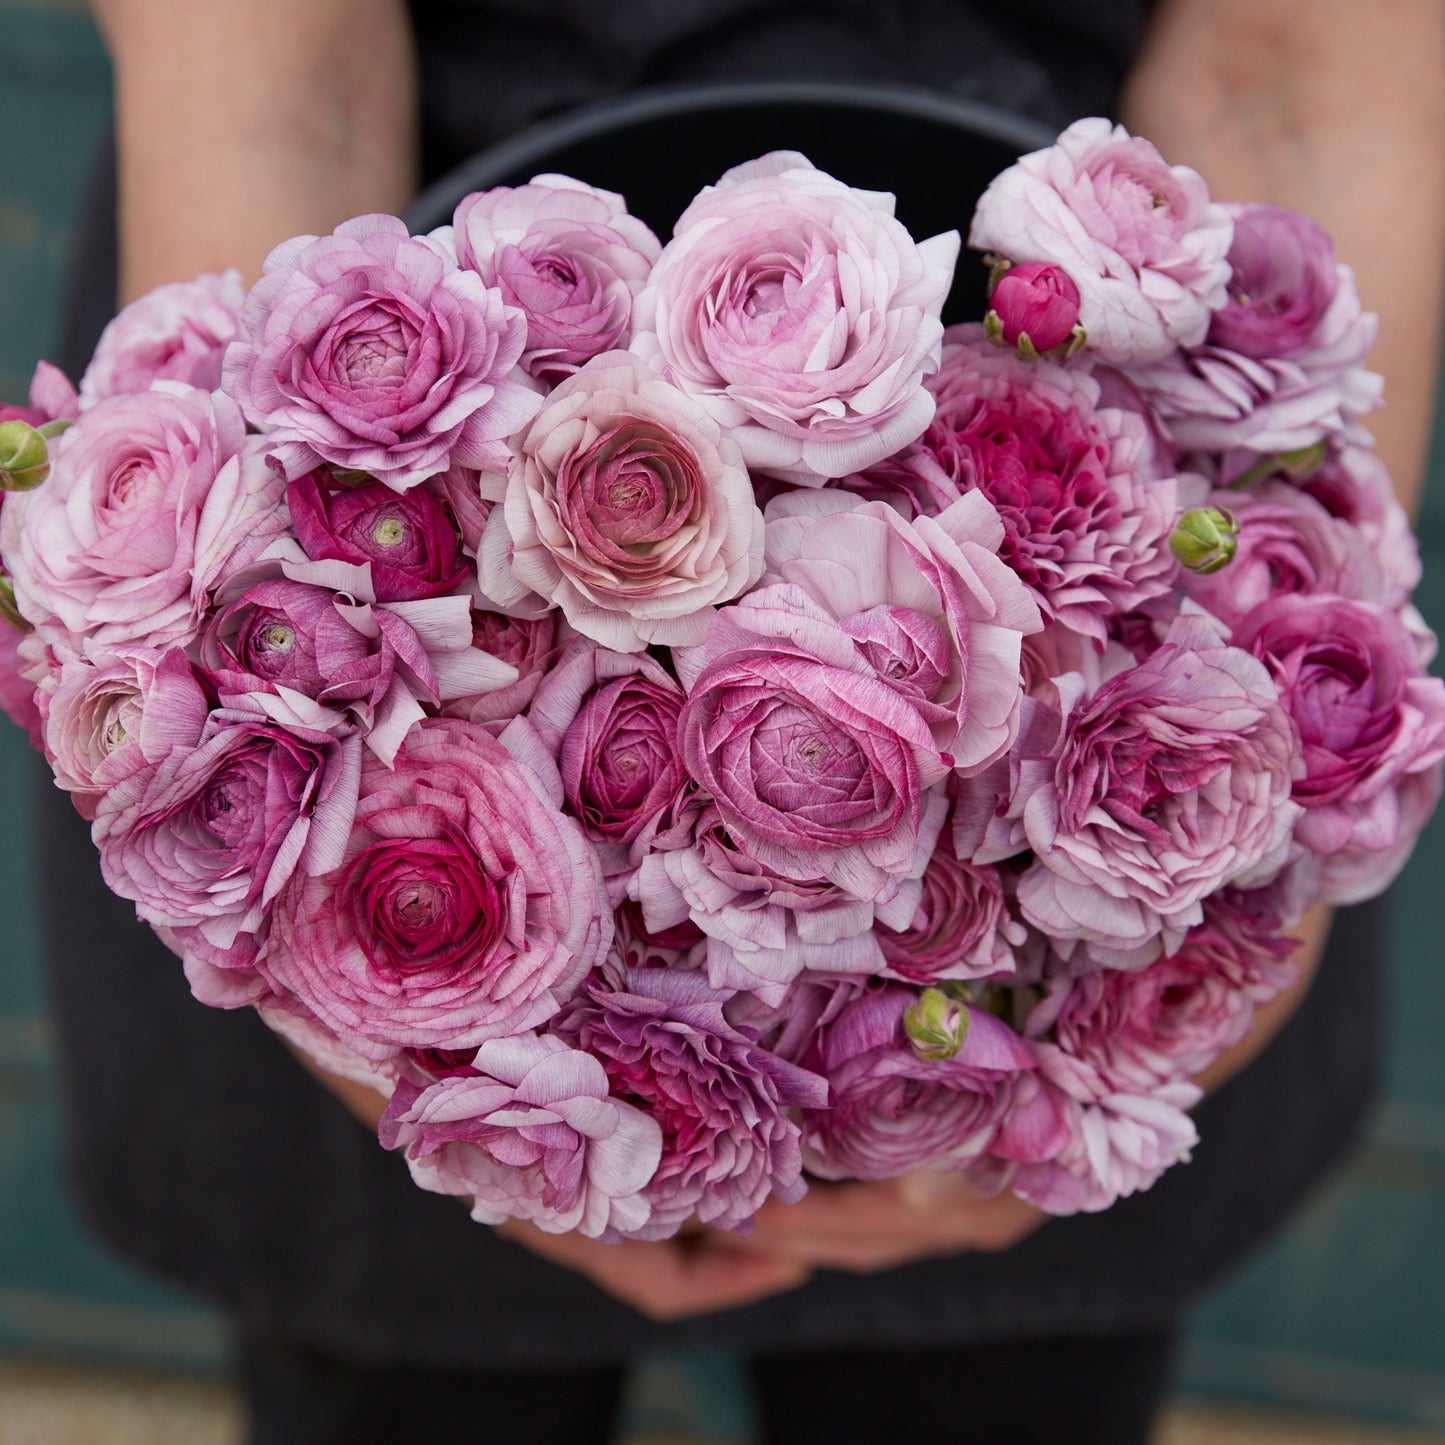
(370, 1311)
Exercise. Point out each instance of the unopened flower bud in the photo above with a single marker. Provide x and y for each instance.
(1204, 539)
(936, 1024)
(24, 457)
(1035, 308)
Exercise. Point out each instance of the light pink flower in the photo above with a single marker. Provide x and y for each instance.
(929, 604)
(152, 501)
(533, 1134)
(374, 352)
(1173, 780)
(467, 906)
(802, 314)
(178, 332)
(1140, 239)
(568, 256)
(628, 508)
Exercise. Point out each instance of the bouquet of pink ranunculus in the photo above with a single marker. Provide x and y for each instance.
(678, 720)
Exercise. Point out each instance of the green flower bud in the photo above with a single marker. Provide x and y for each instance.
(936, 1025)
(1203, 539)
(8, 610)
(24, 457)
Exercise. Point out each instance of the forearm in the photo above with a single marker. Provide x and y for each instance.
(243, 123)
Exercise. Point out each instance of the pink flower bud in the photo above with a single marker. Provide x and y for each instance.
(1038, 301)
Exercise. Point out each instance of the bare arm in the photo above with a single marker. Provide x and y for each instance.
(241, 124)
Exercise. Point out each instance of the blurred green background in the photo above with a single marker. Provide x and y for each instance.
(1346, 1311)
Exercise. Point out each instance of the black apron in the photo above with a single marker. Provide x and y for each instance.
(199, 1148)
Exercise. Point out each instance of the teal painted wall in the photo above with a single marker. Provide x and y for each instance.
(1347, 1310)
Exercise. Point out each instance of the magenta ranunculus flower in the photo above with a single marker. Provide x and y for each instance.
(151, 501)
(467, 907)
(374, 352)
(626, 507)
(1140, 239)
(722, 1099)
(1371, 727)
(409, 539)
(1034, 301)
(1086, 514)
(1171, 781)
(891, 1111)
(802, 314)
(531, 1134)
(819, 767)
(929, 605)
(177, 332)
(568, 256)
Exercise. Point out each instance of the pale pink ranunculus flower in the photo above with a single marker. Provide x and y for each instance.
(373, 351)
(533, 1134)
(802, 314)
(177, 332)
(929, 604)
(628, 508)
(568, 256)
(1141, 239)
(152, 500)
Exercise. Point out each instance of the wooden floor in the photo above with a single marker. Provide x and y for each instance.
(51, 1404)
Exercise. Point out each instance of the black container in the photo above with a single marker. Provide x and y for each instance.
(660, 147)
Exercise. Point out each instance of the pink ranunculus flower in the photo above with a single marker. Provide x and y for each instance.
(891, 1111)
(94, 714)
(819, 768)
(1116, 1146)
(1140, 239)
(533, 1134)
(627, 507)
(1171, 781)
(763, 927)
(530, 645)
(729, 1141)
(178, 332)
(374, 352)
(634, 945)
(1086, 513)
(1371, 727)
(467, 906)
(610, 720)
(152, 501)
(409, 539)
(568, 256)
(963, 927)
(929, 604)
(802, 314)
(206, 833)
(1035, 301)
(1288, 544)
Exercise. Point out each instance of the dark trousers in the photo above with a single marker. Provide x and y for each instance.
(1055, 1392)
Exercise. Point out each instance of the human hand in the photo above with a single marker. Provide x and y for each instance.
(671, 1279)
(865, 1227)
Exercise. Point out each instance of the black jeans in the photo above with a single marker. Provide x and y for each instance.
(1053, 1392)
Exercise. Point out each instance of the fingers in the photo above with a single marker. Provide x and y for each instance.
(670, 1279)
